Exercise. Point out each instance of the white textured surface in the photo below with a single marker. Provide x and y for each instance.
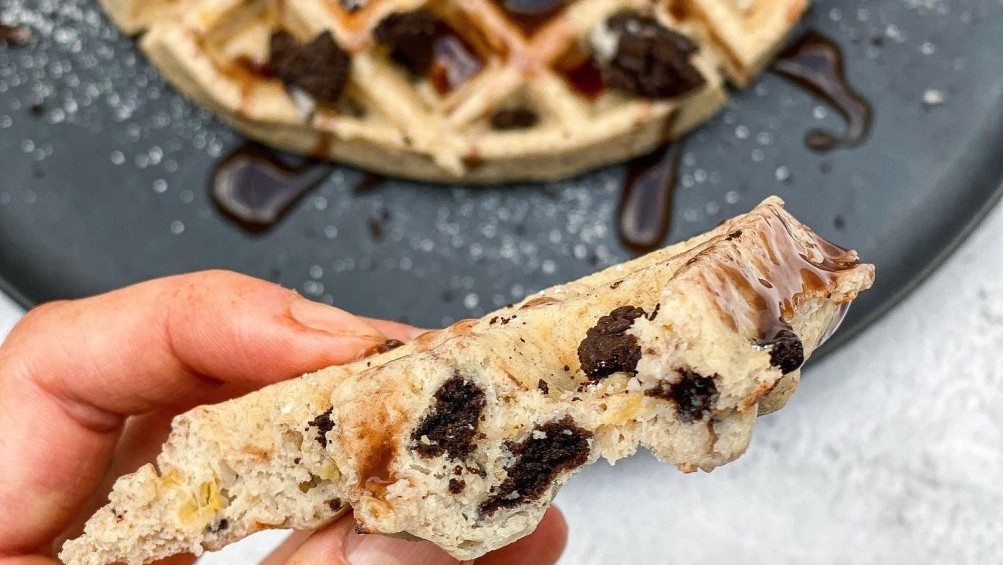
(891, 452)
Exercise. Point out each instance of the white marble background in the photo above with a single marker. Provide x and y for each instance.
(891, 452)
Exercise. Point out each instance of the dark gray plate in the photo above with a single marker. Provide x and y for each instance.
(104, 169)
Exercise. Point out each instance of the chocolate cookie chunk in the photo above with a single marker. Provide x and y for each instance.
(786, 350)
(549, 450)
(450, 426)
(607, 348)
(650, 59)
(324, 424)
(319, 68)
(694, 395)
(410, 36)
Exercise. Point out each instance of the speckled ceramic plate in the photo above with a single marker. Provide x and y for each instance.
(105, 171)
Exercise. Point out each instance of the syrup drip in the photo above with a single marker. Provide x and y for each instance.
(646, 205)
(816, 63)
(253, 188)
(376, 469)
(763, 290)
(14, 34)
(369, 182)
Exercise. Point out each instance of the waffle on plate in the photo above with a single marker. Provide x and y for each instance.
(460, 90)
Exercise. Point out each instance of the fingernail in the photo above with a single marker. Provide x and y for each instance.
(374, 549)
(329, 319)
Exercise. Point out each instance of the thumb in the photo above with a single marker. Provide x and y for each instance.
(340, 544)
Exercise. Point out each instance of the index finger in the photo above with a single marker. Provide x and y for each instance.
(71, 372)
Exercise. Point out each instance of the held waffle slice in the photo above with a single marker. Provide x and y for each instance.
(460, 90)
(464, 436)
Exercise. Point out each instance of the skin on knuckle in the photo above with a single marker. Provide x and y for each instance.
(36, 320)
(214, 283)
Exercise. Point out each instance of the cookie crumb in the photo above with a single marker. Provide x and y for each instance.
(324, 424)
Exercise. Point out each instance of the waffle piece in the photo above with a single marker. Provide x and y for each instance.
(464, 436)
(431, 86)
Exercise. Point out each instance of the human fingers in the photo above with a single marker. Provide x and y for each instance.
(395, 330)
(545, 545)
(70, 372)
(340, 544)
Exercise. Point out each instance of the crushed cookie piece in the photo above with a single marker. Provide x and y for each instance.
(410, 36)
(543, 386)
(319, 68)
(551, 449)
(450, 426)
(694, 395)
(607, 348)
(786, 350)
(456, 486)
(324, 424)
(650, 60)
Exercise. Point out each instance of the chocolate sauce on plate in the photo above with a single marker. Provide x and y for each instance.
(816, 63)
(369, 182)
(14, 35)
(254, 188)
(646, 205)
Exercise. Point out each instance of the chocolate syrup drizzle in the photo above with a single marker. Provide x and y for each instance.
(646, 204)
(816, 63)
(255, 189)
(795, 267)
(369, 182)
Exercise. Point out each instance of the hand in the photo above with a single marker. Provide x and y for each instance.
(88, 387)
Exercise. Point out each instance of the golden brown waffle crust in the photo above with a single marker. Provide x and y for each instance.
(426, 440)
(405, 128)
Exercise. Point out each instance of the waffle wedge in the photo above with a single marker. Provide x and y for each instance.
(464, 436)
